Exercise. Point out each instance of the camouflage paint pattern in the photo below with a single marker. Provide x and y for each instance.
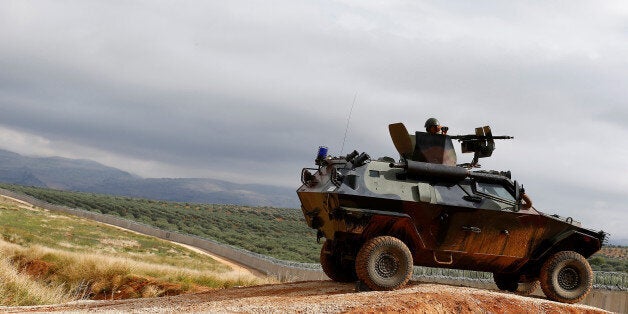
(473, 223)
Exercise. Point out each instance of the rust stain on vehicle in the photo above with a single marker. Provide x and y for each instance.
(445, 215)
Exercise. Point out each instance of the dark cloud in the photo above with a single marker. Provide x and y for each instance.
(247, 92)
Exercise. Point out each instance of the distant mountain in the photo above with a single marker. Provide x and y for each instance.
(90, 176)
(56, 172)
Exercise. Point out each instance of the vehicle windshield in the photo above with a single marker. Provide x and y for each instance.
(495, 190)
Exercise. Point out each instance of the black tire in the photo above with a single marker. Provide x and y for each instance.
(384, 263)
(506, 282)
(566, 277)
(334, 267)
(510, 282)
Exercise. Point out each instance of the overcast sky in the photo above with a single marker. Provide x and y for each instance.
(246, 91)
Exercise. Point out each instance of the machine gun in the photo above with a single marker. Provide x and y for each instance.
(438, 148)
(481, 143)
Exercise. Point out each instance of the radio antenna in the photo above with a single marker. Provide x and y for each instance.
(348, 119)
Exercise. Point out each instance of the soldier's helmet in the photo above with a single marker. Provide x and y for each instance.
(431, 121)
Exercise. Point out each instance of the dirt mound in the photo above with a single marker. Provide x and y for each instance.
(330, 297)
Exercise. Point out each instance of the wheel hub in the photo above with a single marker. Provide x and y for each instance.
(386, 265)
(568, 278)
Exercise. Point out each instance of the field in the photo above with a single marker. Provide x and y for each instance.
(51, 258)
(277, 232)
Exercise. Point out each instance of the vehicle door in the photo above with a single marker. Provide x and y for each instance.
(503, 229)
(454, 226)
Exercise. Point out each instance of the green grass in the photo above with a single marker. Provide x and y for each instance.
(278, 232)
(28, 227)
(611, 258)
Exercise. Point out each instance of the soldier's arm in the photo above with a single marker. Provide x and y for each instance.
(527, 200)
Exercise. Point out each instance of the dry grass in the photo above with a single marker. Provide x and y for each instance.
(35, 269)
(39, 275)
(17, 289)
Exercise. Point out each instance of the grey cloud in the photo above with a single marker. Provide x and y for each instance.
(249, 91)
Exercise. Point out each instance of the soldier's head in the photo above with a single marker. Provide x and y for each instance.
(432, 126)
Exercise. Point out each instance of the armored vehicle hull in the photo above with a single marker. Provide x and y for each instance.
(380, 218)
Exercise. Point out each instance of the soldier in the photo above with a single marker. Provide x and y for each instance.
(432, 126)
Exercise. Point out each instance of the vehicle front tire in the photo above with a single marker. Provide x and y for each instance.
(384, 263)
(566, 277)
(333, 266)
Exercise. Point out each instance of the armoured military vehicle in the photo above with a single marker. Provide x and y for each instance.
(381, 217)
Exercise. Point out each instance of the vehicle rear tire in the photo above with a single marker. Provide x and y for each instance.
(384, 263)
(566, 277)
(526, 288)
(333, 265)
(507, 282)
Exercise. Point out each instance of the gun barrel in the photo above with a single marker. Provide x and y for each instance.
(471, 137)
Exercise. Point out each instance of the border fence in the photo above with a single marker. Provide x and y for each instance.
(613, 282)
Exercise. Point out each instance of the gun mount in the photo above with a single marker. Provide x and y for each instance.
(438, 148)
(482, 144)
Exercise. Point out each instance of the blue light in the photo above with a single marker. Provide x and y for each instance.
(322, 153)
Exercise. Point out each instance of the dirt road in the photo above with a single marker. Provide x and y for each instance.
(327, 297)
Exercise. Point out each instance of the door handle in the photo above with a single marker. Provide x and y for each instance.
(472, 229)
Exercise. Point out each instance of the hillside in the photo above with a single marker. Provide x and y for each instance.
(278, 232)
(90, 176)
(53, 258)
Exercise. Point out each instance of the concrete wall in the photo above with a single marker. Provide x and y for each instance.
(615, 301)
(610, 300)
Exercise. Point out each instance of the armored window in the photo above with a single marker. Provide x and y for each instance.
(496, 191)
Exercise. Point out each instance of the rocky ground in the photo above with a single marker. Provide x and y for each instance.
(327, 297)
